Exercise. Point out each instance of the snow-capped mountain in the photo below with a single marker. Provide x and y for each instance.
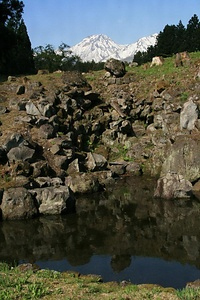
(100, 48)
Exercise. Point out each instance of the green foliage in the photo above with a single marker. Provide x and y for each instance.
(62, 59)
(16, 55)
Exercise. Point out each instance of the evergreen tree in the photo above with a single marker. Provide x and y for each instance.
(15, 48)
(24, 57)
(180, 41)
(193, 34)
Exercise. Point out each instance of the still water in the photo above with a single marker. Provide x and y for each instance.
(120, 234)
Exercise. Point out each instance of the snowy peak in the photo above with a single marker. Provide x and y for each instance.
(100, 48)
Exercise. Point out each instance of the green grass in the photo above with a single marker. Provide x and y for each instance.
(45, 284)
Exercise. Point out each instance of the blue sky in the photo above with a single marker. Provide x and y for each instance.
(124, 21)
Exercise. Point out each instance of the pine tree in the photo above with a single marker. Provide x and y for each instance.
(24, 56)
(15, 49)
(193, 34)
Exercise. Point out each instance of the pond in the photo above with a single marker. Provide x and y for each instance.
(122, 233)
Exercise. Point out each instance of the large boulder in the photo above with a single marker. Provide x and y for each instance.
(173, 186)
(115, 67)
(54, 200)
(183, 158)
(17, 203)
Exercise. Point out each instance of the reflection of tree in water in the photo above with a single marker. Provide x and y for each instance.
(120, 262)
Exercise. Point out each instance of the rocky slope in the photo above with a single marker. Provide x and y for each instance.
(64, 134)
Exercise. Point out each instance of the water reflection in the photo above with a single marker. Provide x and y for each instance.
(121, 234)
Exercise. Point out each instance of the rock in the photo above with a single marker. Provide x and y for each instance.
(115, 67)
(43, 72)
(73, 79)
(45, 108)
(95, 162)
(41, 182)
(3, 110)
(105, 177)
(12, 141)
(83, 183)
(41, 168)
(20, 90)
(17, 203)
(189, 115)
(32, 109)
(118, 168)
(73, 167)
(133, 168)
(173, 185)
(183, 158)
(12, 78)
(46, 131)
(54, 200)
(196, 190)
(21, 153)
(194, 284)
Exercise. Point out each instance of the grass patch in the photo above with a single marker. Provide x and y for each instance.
(46, 284)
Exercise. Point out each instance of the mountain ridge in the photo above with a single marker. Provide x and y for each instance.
(100, 47)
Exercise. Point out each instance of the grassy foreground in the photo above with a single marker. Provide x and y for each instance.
(23, 283)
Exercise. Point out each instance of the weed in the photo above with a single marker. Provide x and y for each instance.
(184, 96)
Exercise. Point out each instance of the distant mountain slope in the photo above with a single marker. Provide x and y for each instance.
(100, 47)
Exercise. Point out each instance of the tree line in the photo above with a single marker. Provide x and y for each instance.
(173, 39)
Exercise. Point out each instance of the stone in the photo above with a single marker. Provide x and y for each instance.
(12, 141)
(73, 79)
(115, 67)
(12, 78)
(73, 167)
(18, 203)
(46, 131)
(183, 158)
(133, 168)
(32, 109)
(21, 153)
(196, 190)
(54, 200)
(20, 90)
(118, 168)
(83, 183)
(173, 185)
(157, 61)
(188, 115)
(95, 162)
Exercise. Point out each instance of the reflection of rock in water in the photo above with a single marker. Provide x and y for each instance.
(120, 262)
(124, 221)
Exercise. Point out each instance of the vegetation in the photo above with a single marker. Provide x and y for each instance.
(173, 39)
(16, 55)
(61, 59)
(19, 283)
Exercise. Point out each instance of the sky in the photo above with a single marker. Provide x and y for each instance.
(124, 21)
